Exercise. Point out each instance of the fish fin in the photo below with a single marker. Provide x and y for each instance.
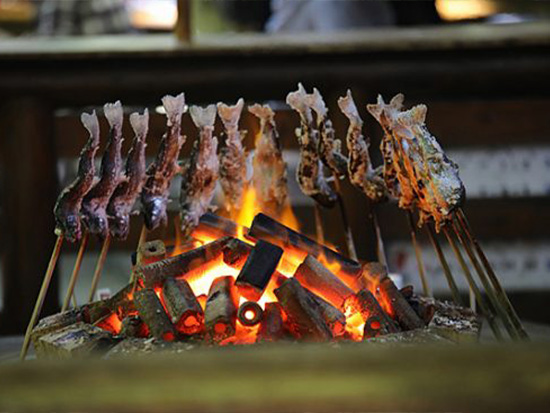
(114, 114)
(140, 123)
(230, 115)
(203, 117)
(315, 101)
(174, 107)
(396, 102)
(349, 109)
(263, 112)
(90, 122)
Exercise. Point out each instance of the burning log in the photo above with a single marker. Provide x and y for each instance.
(335, 319)
(150, 252)
(258, 269)
(133, 327)
(152, 312)
(272, 327)
(266, 228)
(182, 306)
(304, 314)
(250, 313)
(153, 275)
(216, 226)
(221, 309)
(121, 303)
(404, 313)
(236, 252)
(76, 340)
(317, 278)
(377, 322)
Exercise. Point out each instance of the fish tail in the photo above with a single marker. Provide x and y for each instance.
(349, 109)
(90, 122)
(263, 112)
(174, 107)
(230, 115)
(315, 101)
(140, 123)
(114, 114)
(203, 117)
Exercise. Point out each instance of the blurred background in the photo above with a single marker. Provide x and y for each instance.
(481, 66)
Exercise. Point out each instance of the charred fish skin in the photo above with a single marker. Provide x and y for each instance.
(232, 155)
(360, 169)
(94, 206)
(68, 204)
(310, 171)
(329, 147)
(201, 173)
(125, 195)
(155, 192)
(270, 175)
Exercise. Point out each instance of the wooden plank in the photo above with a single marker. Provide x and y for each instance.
(287, 378)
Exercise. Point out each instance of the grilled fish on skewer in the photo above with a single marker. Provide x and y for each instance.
(154, 196)
(269, 178)
(232, 155)
(360, 170)
(69, 202)
(201, 173)
(95, 203)
(310, 174)
(330, 148)
(125, 195)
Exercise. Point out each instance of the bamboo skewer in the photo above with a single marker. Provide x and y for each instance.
(142, 236)
(380, 250)
(76, 271)
(319, 225)
(486, 285)
(492, 277)
(418, 252)
(41, 296)
(352, 252)
(484, 309)
(99, 266)
(444, 265)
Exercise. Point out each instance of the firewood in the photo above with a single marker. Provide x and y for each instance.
(317, 278)
(377, 322)
(250, 313)
(149, 252)
(371, 273)
(182, 306)
(152, 312)
(258, 269)
(334, 318)
(266, 228)
(216, 226)
(56, 322)
(236, 252)
(221, 309)
(76, 340)
(304, 313)
(133, 327)
(153, 275)
(272, 327)
(404, 313)
(122, 303)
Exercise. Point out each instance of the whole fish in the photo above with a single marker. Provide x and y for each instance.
(94, 205)
(68, 204)
(232, 155)
(155, 192)
(360, 169)
(125, 195)
(310, 172)
(201, 173)
(269, 177)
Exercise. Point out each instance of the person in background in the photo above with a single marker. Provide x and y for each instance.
(80, 18)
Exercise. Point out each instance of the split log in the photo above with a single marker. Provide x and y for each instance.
(221, 309)
(149, 252)
(133, 327)
(266, 228)
(335, 319)
(236, 252)
(76, 340)
(258, 269)
(56, 322)
(305, 318)
(152, 313)
(377, 322)
(153, 275)
(272, 327)
(250, 313)
(217, 227)
(317, 278)
(403, 312)
(182, 306)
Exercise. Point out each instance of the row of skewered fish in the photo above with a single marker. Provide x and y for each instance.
(415, 171)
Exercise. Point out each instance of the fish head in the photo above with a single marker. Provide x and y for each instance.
(120, 226)
(155, 212)
(98, 225)
(71, 228)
